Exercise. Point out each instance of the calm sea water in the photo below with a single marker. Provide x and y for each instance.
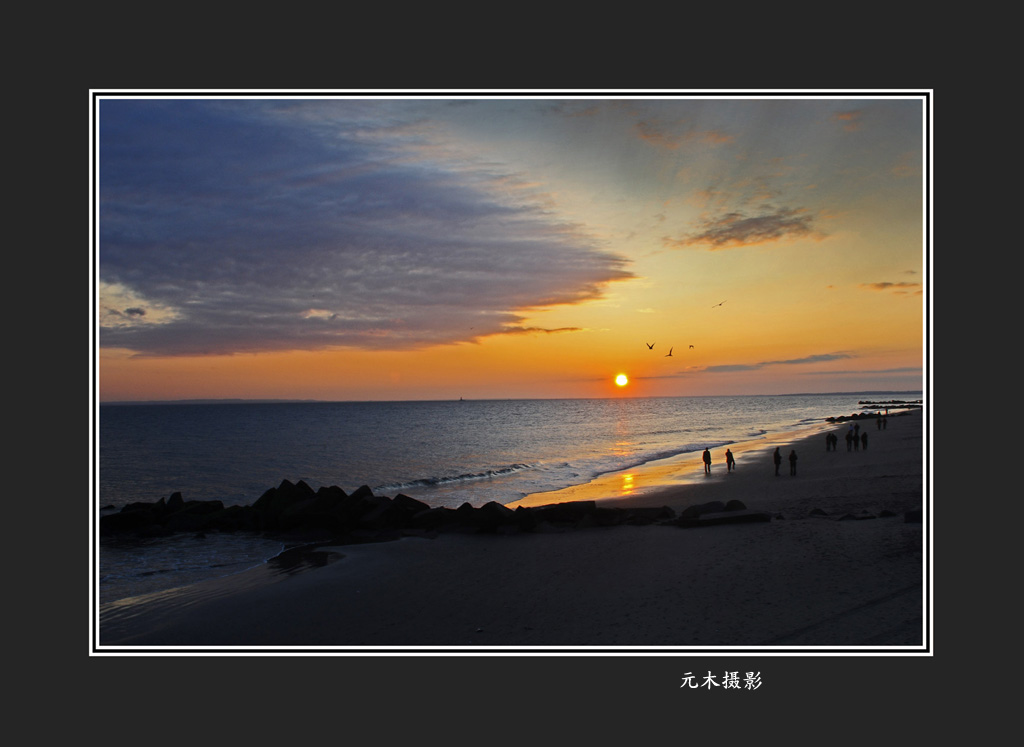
(444, 453)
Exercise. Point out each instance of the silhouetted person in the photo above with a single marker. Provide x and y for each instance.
(864, 440)
(878, 422)
(730, 462)
(856, 441)
(792, 462)
(885, 422)
(849, 440)
(707, 461)
(828, 442)
(778, 459)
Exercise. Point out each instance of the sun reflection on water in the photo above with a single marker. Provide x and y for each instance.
(627, 483)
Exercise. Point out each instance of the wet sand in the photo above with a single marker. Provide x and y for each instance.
(839, 566)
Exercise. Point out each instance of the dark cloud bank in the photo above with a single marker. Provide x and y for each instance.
(250, 226)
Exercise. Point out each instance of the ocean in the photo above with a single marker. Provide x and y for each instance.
(444, 453)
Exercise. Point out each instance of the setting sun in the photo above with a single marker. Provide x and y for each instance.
(621, 380)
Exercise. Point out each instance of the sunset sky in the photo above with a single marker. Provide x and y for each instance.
(365, 247)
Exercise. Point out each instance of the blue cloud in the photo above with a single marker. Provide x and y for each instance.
(243, 226)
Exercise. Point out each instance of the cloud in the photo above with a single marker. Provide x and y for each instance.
(907, 165)
(823, 358)
(851, 120)
(743, 367)
(246, 226)
(659, 136)
(898, 288)
(537, 330)
(737, 229)
(916, 370)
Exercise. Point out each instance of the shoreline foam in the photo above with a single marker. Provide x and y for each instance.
(660, 475)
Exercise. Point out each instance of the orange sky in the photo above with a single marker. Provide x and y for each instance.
(401, 250)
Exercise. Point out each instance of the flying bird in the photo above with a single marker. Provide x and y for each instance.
(719, 304)
(691, 347)
(650, 345)
(669, 353)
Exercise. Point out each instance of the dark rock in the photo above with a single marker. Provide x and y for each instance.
(273, 503)
(602, 517)
(564, 513)
(461, 519)
(192, 516)
(297, 514)
(328, 498)
(127, 521)
(410, 505)
(349, 509)
(735, 505)
(434, 518)
(201, 507)
(140, 506)
(493, 512)
(643, 516)
(380, 512)
(692, 512)
(490, 517)
(525, 519)
(233, 519)
(363, 491)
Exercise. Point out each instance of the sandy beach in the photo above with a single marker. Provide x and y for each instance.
(838, 566)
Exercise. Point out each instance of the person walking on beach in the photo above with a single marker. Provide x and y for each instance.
(792, 462)
(707, 462)
(849, 440)
(730, 462)
(778, 459)
(864, 440)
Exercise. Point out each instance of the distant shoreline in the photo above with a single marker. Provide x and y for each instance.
(239, 401)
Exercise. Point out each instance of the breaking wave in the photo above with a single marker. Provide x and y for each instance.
(433, 482)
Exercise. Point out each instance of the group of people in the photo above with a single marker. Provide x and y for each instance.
(777, 458)
(730, 461)
(854, 439)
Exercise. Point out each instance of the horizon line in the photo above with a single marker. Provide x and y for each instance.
(285, 400)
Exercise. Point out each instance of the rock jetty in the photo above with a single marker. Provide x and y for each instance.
(295, 509)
